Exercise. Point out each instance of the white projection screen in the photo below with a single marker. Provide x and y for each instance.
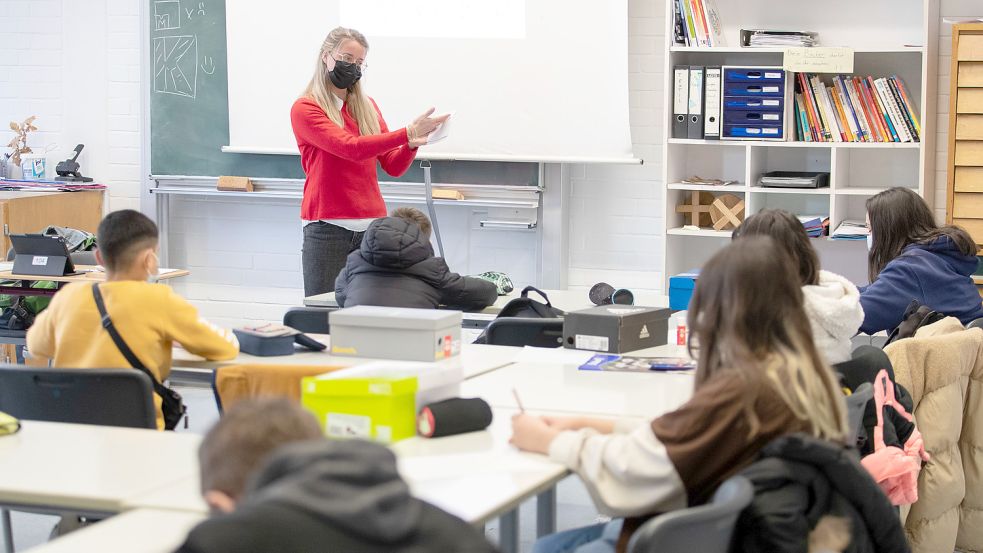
(527, 80)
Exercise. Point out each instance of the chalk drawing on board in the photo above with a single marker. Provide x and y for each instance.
(176, 65)
(167, 15)
(208, 65)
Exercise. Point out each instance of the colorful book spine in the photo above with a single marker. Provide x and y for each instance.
(691, 39)
(883, 110)
(856, 108)
(893, 111)
(701, 32)
(908, 103)
(807, 103)
(829, 125)
(875, 125)
(905, 116)
(851, 117)
(845, 123)
(875, 110)
(839, 133)
(806, 131)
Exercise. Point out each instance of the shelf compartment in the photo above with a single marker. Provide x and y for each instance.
(860, 171)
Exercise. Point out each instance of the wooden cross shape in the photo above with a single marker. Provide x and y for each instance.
(727, 212)
(697, 210)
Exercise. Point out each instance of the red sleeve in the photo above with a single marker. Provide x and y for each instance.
(395, 162)
(312, 126)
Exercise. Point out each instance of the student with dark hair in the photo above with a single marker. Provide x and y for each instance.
(275, 484)
(758, 377)
(395, 267)
(149, 317)
(832, 303)
(912, 258)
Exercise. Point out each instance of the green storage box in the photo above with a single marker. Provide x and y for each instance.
(379, 408)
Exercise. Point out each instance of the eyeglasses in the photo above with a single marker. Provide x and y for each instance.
(348, 58)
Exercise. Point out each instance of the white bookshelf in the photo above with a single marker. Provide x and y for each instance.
(888, 37)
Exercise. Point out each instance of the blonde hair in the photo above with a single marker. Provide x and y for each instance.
(359, 105)
(747, 316)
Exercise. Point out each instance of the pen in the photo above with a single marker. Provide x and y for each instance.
(518, 401)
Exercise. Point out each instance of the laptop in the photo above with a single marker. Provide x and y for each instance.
(40, 255)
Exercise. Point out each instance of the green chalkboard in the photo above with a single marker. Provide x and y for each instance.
(189, 107)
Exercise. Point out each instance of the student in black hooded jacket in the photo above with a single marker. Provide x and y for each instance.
(276, 485)
(396, 267)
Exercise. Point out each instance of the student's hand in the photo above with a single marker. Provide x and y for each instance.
(566, 423)
(531, 433)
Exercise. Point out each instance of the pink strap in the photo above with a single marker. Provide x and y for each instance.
(884, 397)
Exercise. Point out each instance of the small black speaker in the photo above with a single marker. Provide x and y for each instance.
(453, 416)
(603, 293)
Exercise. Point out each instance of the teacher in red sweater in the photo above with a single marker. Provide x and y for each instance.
(341, 136)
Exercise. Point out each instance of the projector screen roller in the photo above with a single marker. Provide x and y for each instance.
(527, 80)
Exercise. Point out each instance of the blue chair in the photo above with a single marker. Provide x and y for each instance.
(707, 528)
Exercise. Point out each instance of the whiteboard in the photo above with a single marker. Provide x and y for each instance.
(527, 80)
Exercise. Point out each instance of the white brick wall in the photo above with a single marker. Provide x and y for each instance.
(616, 222)
(76, 65)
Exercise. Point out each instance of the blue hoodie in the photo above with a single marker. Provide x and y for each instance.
(936, 274)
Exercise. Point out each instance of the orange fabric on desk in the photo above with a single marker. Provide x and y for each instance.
(235, 383)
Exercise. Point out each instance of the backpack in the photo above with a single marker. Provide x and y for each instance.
(527, 308)
(915, 317)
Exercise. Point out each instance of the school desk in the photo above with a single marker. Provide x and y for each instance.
(138, 531)
(89, 469)
(475, 359)
(477, 476)
(567, 300)
(550, 380)
(88, 273)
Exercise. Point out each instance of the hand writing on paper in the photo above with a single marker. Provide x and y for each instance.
(531, 433)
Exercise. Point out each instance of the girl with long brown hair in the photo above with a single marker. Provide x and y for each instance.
(913, 258)
(342, 136)
(758, 377)
(832, 303)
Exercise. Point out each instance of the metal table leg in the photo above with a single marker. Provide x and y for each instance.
(546, 513)
(8, 530)
(508, 532)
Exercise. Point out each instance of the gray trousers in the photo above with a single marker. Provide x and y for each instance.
(325, 252)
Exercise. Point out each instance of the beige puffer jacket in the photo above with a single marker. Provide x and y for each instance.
(942, 367)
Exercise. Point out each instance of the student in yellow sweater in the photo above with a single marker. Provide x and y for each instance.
(149, 317)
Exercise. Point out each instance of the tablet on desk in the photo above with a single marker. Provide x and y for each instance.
(40, 255)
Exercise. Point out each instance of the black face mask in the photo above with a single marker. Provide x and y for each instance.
(344, 75)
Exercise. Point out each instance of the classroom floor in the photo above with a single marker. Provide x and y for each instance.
(574, 507)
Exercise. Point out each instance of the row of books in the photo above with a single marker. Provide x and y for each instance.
(851, 230)
(697, 23)
(854, 109)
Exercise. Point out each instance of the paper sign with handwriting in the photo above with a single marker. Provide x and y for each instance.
(819, 60)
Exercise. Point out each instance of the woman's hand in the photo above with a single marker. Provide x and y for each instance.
(532, 433)
(418, 131)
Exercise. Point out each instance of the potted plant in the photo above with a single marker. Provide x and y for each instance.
(18, 145)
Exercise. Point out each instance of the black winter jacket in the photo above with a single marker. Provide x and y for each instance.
(396, 267)
(798, 480)
(333, 496)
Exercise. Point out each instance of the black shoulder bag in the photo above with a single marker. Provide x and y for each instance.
(172, 404)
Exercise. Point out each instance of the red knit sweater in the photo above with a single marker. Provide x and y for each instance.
(340, 163)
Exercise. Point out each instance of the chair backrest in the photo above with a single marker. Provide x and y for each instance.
(856, 404)
(707, 528)
(312, 320)
(978, 323)
(516, 331)
(110, 397)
